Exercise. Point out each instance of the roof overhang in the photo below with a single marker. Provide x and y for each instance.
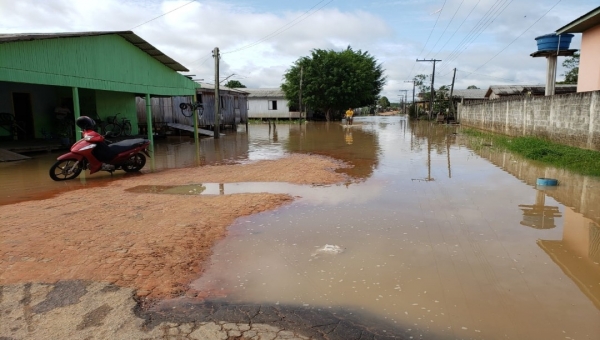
(131, 37)
(583, 23)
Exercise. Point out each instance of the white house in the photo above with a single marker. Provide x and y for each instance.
(269, 103)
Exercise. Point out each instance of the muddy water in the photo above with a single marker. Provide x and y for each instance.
(27, 180)
(438, 234)
(442, 236)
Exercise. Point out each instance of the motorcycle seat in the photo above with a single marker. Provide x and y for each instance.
(127, 144)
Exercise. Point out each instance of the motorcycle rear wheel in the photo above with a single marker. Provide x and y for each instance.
(63, 170)
(135, 163)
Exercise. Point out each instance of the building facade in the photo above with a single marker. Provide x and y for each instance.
(589, 65)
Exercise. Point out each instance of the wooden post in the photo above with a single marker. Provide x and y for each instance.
(195, 113)
(76, 113)
(149, 121)
(216, 131)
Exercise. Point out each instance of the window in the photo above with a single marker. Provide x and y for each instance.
(222, 102)
(272, 105)
(236, 103)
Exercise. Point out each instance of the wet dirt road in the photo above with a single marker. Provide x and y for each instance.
(434, 236)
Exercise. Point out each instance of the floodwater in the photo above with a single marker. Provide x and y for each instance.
(439, 235)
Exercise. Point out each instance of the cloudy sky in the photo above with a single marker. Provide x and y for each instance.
(487, 41)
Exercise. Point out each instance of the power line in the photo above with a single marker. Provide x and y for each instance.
(489, 17)
(485, 75)
(162, 15)
(459, 26)
(433, 28)
(445, 29)
(272, 34)
(499, 10)
(540, 18)
(282, 28)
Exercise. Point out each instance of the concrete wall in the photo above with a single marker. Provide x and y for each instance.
(589, 67)
(571, 119)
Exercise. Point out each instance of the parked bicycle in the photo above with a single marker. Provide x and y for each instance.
(116, 128)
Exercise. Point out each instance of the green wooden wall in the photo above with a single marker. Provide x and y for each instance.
(110, 103)
(106, 62)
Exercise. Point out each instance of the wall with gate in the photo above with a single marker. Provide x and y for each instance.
(571, 119)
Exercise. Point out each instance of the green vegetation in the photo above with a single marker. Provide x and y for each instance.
(581, 161)
(571, 64)
(334, 81)
(235, 84)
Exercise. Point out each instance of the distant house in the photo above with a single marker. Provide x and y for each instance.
(166, 110)
(469, 95)
(234, 105)
(269, 103)
(501, 91)
(589, 67)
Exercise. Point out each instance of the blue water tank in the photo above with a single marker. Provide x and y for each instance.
(549, 42)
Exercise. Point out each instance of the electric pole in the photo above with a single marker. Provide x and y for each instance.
(414, 105)
(404, 102)
(432, 94)
(300, 94)
(216, 132)
(451, 92)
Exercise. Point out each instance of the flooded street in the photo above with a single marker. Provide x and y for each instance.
(435, 234)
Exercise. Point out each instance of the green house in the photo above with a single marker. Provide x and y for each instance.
(98, 74)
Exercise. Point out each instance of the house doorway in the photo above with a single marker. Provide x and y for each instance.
(23, 114)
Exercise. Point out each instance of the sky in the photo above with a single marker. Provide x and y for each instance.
(489, 42)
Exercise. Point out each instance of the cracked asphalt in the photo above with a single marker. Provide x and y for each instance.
(99, 310)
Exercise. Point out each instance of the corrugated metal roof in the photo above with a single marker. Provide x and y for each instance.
(131, 37)
(470, 93)
(512, 90)
(211, 87)
(265, 93)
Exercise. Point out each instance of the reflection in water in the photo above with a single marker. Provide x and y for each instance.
(578, 253)
(539, 215)
(358, 145)
(445, 257)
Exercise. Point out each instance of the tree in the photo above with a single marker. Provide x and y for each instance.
(334, 81)
(234, 84)
(384, 102)
(572, 66)
(472, 87)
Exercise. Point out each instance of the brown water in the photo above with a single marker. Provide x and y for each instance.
(442, 235)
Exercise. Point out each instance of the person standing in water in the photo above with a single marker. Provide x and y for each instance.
(349, 116)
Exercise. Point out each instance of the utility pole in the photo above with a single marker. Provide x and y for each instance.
(414, 104)
(300, 94)
(451, 92)
(216, 132)
(404, 106)
(432, 94)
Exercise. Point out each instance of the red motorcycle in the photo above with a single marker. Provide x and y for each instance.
(95, 153)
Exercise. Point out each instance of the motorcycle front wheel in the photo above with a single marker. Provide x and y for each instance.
(63, 170)
(135, 163)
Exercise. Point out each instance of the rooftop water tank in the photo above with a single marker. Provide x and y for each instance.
(549, 42)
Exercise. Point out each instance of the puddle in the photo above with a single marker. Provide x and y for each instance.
(438, 236)
(225, 188)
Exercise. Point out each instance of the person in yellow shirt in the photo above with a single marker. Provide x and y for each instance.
(349, 116)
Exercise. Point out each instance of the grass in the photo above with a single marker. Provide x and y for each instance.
(581, 161)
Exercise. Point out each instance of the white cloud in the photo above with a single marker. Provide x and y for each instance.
(393, 31)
